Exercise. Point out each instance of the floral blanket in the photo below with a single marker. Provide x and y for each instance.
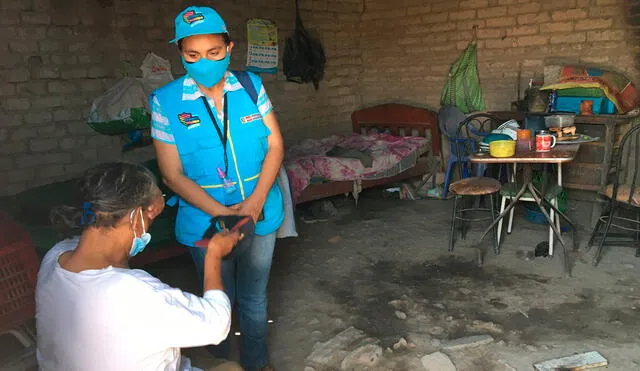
(309, 159)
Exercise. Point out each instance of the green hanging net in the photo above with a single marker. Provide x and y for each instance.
(462, 89)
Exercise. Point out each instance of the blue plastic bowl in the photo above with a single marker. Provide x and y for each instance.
(494, 136)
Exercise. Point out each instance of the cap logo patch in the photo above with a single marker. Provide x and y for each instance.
(191, 17)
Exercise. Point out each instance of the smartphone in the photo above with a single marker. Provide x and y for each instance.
(244, 225)
(241, 223)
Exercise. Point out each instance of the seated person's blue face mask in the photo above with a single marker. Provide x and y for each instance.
(139, 243)
(207, 72)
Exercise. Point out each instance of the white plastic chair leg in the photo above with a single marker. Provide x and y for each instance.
(552, 214)
(510, 218)
(503, 203)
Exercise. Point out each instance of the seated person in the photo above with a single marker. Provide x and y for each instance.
(93, 313)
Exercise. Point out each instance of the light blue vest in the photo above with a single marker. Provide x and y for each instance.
(201, 153)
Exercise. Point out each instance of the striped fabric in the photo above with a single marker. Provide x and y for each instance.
(160, 126)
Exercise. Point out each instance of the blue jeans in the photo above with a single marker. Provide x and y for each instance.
(245, 282)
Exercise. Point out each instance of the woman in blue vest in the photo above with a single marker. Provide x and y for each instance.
(220, 152)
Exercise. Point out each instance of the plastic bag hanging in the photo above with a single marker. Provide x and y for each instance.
(462, 89)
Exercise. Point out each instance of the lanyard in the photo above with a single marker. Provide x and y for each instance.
(223, 137)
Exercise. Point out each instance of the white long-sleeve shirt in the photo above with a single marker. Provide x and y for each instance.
(116, 319)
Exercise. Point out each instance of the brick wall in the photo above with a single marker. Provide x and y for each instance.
(407, 51)
(56, 56)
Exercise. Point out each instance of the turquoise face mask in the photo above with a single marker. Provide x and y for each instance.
(139, 243)
(207, 72)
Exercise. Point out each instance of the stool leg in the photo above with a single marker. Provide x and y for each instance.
(638, 235)
(496, 240)
(454, 217)
(503, 203)
(510, 224)
(554, 218)
(600, 250)
(447, 178)
(594, 234)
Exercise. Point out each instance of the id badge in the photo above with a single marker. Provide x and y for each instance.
(228, 185)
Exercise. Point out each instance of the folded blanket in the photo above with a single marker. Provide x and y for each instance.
(615, 86)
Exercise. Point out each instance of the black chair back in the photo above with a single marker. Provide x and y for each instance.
(627, 165)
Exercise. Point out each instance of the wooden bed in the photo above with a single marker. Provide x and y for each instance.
(400, 120)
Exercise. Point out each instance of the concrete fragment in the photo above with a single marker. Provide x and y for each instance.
(331, 352)
(364, 356)
(502, 365)
(531, 348)
(398, 304)
(437, 362)
(468, 342)
(314, 322)
(402, 343)
(436, 330)
(465, 291)
(309, 369)
(482, 326)
(401, 315)
(335, 239)
(575, 362)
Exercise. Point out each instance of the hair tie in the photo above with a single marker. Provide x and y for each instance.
(88, 217)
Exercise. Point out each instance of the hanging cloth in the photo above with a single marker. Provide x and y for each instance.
(462, 89)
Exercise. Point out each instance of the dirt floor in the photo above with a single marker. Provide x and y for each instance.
(384, 268)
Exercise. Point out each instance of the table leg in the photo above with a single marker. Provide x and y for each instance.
(539, 202)
(571, 225)
(526, 180)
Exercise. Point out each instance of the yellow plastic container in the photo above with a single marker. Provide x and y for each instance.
(502, 148)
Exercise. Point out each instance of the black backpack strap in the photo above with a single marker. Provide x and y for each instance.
(245, 80)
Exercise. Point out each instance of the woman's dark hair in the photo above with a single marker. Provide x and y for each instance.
(106, 193)
(225, 36)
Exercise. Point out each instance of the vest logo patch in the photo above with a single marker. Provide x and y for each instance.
(192, 18)
(248, 119)
(189, 120)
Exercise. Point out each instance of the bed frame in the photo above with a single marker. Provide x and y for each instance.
(400, 120)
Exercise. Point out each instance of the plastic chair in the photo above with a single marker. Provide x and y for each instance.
(19, 266)
(460, 131)
(623, 193)
(509, 191)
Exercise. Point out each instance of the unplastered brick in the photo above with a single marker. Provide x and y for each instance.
(564, 4)
(522, 30)
(462, 15)
(501, 43)
(496, 11)
(556, 27)
(501, 22)
(35, 18)
(568, 39)
(531, 40)
(606, 11)
(524, 8)
(567, 15)
(606, 35)
(534, 18)
(594, 24)
(474, 4)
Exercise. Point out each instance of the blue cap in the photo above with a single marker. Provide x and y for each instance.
(197, 20)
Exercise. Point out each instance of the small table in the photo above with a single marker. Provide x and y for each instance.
(558, 155)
